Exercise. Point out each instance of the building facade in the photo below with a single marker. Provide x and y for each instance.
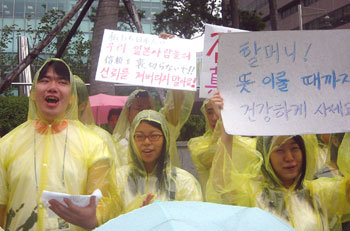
(27, 13)
(315, 14)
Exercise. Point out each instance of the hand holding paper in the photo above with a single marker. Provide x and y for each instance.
(79, 210)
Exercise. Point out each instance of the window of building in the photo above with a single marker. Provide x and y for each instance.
(31, 23)
(20, 23)
(309, 2)
(19, 8)
(333, 19)
(256, 5)
(7, 7)
(289, 11)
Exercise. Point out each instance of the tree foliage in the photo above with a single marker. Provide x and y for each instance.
(7, 60)
(13, 111)
(76, 54)
(125, 22)
(194, 126)
(186, 18)
(251, 20)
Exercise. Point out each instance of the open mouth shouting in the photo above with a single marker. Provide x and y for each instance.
(52, 100)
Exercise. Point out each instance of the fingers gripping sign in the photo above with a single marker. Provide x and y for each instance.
(218, 103)
(80, 216)
(148, 199)
(166, 36)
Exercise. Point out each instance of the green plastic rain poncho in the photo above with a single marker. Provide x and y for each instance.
(203, 148)
(177, 108)
(86, 117)
(134, 183)
(244, 180)
(63, 156)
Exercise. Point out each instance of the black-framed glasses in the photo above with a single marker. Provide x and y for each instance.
(152, 137)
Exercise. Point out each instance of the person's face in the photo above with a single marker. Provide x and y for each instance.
(287, 161)
(112, 122)
(149, 141)
(211, 115)
(52, 95)
(325, 138)
(138, 104)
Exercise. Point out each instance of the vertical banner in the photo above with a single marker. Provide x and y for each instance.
(285, 82)
(209, 68)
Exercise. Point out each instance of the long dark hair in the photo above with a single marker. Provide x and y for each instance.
(299, 140)
(161, 159)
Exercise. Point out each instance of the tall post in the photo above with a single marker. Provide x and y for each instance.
(26, 75)
(300, 14)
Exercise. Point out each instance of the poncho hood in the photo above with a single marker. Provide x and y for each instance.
(72, 109)
(266, 144)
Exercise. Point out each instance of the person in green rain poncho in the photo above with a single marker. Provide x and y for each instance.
(54, 151)
(86, 117)
(177, 108)
(203, 148)
(150, 175)
(279, 181)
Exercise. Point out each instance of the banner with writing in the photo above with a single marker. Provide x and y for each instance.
(285, 82)
(147, 60)
(209, 67)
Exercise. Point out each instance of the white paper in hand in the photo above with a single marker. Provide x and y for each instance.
(79, 200)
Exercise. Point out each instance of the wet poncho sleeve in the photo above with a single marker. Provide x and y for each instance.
(335, 192)
(110, 141)
(177, 108)
(101, 175)
(202, 150)
(230, 176)
(188, 188)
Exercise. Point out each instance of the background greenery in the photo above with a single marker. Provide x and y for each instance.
(194, 126)
(13, 112)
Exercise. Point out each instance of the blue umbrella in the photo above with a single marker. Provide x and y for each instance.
(191, 216)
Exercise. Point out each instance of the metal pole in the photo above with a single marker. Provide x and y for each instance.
(25, 76)
(300, 14)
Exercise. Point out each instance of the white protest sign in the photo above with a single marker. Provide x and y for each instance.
(285, 82)
(208, 80)
(147, 60)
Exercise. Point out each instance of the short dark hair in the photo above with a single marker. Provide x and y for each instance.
(141, 94)
(59, 67)
(114, 111)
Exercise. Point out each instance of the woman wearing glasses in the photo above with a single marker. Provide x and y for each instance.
(150, 174)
